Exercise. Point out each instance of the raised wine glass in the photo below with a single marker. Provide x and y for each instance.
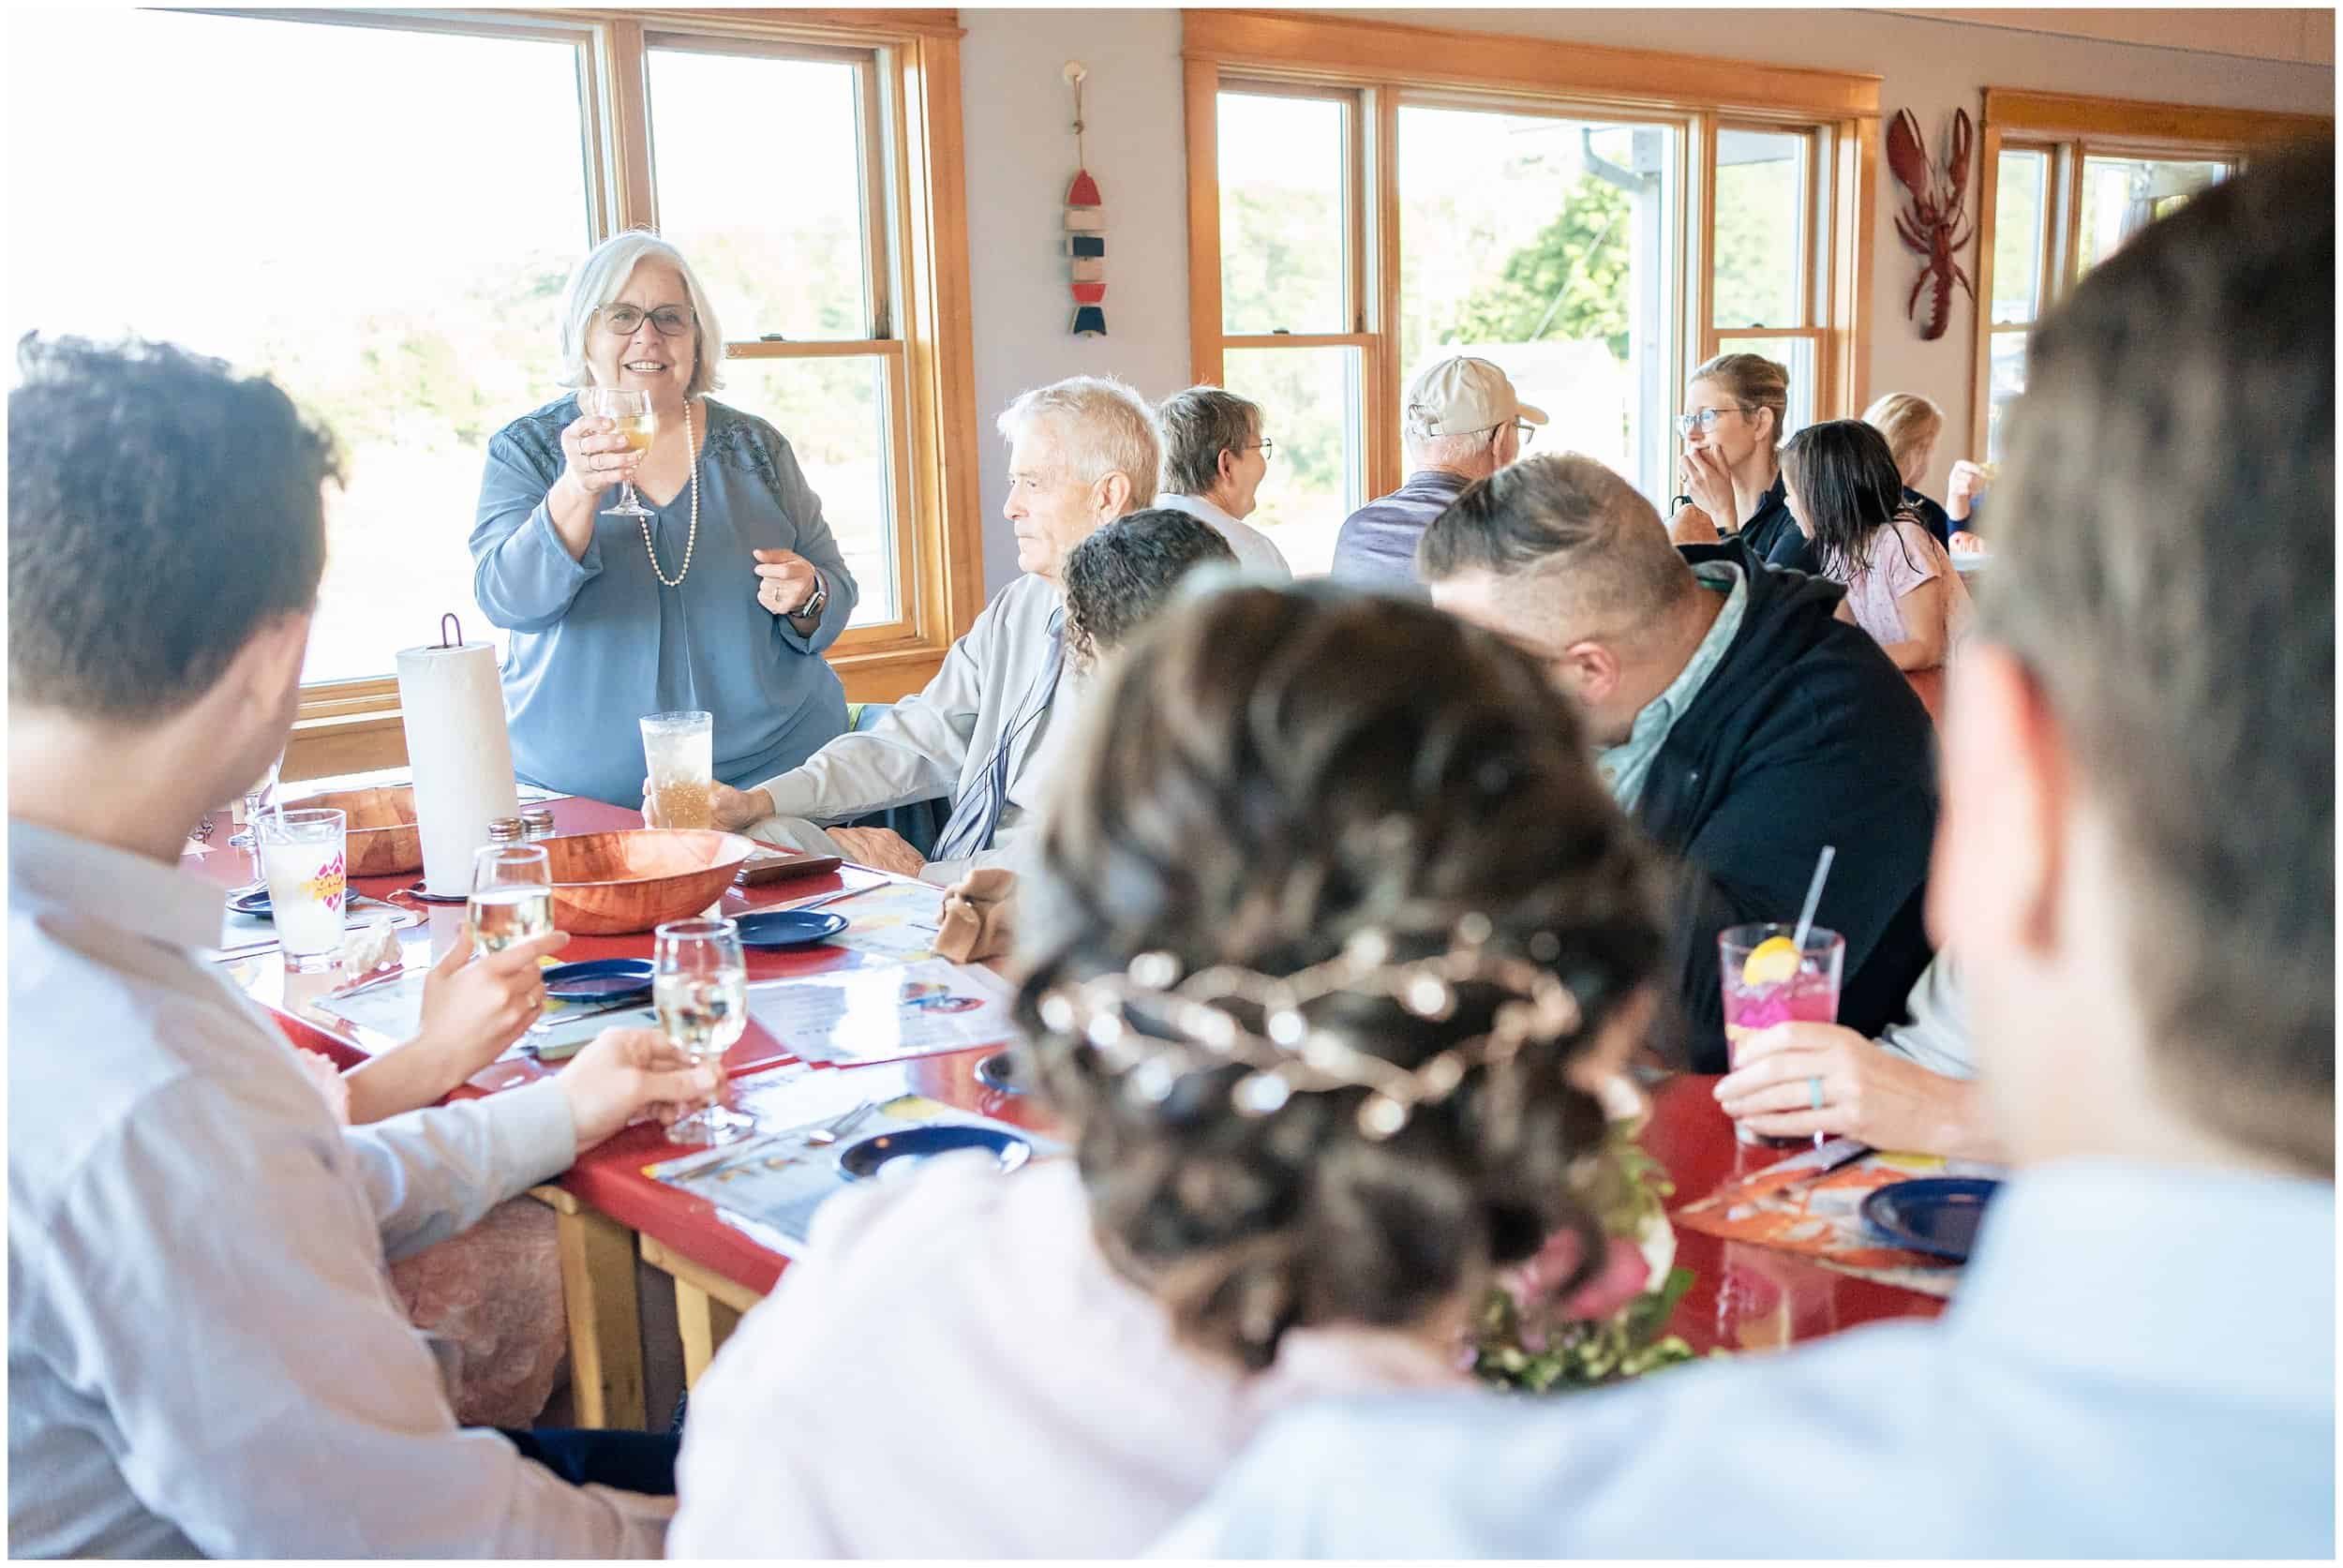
(512, 896)
(700, 988)
(629, 410)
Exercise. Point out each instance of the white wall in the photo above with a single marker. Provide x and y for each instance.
(1021, 155)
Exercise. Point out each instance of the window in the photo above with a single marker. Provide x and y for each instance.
(397, 265)
(331, 260)
(2068, 181)
(1366, 198)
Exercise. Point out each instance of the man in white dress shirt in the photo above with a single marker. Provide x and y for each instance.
(1083, 452)
(2137, 866)
(1214, 456)
(205, 1356)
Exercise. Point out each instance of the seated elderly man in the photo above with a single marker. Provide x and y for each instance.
(1213, 459)
(1741, 724)
(1081, 453)
(205, 1357)
(2138, 871)
(1463, 424)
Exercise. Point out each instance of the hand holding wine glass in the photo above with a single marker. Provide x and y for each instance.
(632, 425)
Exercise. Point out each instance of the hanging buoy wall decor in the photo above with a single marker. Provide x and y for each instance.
(1085, 226)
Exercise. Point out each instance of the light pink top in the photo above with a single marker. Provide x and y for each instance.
(1904, 555)
(956, 1371)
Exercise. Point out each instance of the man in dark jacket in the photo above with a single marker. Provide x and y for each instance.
(1739, 722)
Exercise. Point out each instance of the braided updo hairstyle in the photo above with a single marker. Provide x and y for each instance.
(1266, 772)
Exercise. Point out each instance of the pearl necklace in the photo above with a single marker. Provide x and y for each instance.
(692, 538)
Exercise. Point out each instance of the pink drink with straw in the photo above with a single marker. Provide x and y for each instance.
(1770, 978)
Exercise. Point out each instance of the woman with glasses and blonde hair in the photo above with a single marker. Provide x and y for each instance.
(1733, 413)
(1911, 422)
(717, 591)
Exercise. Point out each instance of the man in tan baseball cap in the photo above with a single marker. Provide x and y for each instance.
(1463, 423)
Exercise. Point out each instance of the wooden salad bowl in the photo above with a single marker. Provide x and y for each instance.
(383, 837)
(611, 884)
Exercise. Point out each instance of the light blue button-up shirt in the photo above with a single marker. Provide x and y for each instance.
(205, 1355)
(1626, 766)
(2141, 1363)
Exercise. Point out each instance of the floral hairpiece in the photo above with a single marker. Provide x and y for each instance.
(1188, 1028)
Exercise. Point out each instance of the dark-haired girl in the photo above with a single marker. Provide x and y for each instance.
(1322, 971)
(1843, 490)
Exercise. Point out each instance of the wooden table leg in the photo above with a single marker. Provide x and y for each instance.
(708, 1306)
(606, 1316)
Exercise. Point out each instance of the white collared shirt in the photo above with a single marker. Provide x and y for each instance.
(940, 740)
(2140, 1363)
(1253, 550)
(205, 1351)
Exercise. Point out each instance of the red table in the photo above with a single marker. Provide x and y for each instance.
(1745, 1298)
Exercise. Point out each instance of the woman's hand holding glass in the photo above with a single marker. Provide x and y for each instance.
(475, 1004)
(599, 454)
(626, 1073)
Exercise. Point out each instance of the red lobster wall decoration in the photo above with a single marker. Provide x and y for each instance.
(1935, 216)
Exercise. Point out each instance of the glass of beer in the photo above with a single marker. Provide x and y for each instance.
(302, 856)
(512, 896)
(699, 987)
(631, 412)
(680, 754)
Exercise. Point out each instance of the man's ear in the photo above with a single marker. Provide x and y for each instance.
(1593, 669)
(1228, 465)
(2000, 853)
(1111, 495)
(270, 660)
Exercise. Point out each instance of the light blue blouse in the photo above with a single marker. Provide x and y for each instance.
(598, 642)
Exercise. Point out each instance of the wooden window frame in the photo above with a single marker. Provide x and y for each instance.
(2071, 129)
(1385, 64)
(916, 280)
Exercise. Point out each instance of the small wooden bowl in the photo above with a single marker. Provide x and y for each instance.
(383, 837)
(611, 884)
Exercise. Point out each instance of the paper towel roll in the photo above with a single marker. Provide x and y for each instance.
(452, 706)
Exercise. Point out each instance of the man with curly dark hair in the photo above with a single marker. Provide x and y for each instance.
(2138, 871)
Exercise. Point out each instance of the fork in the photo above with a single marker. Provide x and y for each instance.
(824, 1136)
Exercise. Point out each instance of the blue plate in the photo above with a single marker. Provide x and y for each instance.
(905, 1149)
(601, 979)
(1004, 1072)
(1938, 1214)
(254, 903)
(788, 928)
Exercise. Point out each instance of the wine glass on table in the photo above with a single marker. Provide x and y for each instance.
(629, 410)
(512, 896)
(699, 987)
(256, 800)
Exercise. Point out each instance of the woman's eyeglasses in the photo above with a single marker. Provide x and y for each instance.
(1704, 420)
(672, 321)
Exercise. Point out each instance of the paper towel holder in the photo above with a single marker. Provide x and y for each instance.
(456, 641)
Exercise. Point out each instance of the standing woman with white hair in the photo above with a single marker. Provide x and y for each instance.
(721, 598)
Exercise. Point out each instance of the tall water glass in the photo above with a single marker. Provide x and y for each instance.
(699, 987)
(1758, 996)
(512, 896)
(680, 754)
(305, 861)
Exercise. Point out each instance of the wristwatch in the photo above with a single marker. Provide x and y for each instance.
(814, 604)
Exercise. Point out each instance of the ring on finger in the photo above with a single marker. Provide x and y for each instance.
(1813, 1091)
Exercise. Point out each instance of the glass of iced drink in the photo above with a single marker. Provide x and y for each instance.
(303, 858)
(680, 754)
(1769, 979)
(700, 990)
